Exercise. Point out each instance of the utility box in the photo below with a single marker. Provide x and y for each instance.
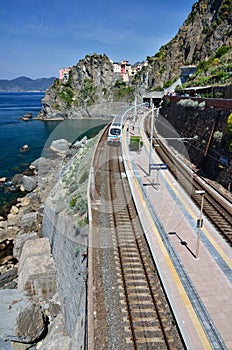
(135, 143)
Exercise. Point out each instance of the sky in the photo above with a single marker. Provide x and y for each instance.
(38, 37)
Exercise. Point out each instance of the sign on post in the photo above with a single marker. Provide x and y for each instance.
(158, 166)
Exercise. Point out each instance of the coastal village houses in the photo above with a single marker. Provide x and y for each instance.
(64, 73)
(123, 68)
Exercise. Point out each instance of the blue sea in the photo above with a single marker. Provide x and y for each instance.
(14, 133)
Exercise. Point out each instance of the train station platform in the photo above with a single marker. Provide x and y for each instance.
(199, 288)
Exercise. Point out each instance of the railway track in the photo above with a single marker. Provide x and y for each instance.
(216, 208)
(146, 317)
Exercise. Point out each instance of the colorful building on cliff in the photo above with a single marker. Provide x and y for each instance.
(64, 73)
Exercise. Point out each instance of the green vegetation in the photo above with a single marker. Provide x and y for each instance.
(122, 91)
(169, 83)
(67, 95)
(81, 206)
(105, 92)
(88, 92)
(158, 54)
(229, 124)
(192, 15)
(162, 52)
(223, 15)
(217, 136)
(56, 83)
(222, 51)
(149, 59)
(215, 71)
(84, 176)
(74, 185)
(157, 88)
(229, 130)
(140, 75)
(188, 103)
(69, 81)
(73, 202)
(77, 251)
(226, 9)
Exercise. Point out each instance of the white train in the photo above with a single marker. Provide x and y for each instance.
(115, 134)
(115, 131)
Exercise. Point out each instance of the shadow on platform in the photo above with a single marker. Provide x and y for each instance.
(184, 243)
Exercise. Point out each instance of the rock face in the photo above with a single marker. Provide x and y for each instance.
(56, 340)
(90, 82)
(60, 146)
(37, 269)
(8, 276)
(29, 221)
(21, 319)
(29, 183)
(19, 241)
(206, 29)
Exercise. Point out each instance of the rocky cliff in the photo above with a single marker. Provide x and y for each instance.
(207, 28)
(90, 83)
(93, 82)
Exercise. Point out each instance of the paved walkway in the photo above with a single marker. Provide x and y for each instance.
(169, 220)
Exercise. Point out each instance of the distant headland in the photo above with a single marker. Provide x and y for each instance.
(25, 84)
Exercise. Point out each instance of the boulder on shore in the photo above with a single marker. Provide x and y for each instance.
(8, 276)
(60, 146)
(21, 319)
(26, 117)
(37, 274)
(29, 183)
(24, 148)
(17, 179)
(29, 222)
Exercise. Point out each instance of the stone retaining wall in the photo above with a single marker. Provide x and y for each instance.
(204, 127)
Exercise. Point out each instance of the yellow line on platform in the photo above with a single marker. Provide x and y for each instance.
(203, 229)
(197, 325)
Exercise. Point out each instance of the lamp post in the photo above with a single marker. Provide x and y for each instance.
(151, 137)
(199, 221)
(135, 110)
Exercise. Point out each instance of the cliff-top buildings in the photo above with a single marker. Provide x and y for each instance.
(124, 69)
(64, 73)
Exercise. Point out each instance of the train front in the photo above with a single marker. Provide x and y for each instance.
(114, 135)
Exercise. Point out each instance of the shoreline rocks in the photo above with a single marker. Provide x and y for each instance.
(21, 319)
(24, 148)
(27, 116)
(29, 269)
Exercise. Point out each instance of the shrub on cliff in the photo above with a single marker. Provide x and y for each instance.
(229, 130)
(229, 124)
(123, 92)
(67, 95)
(188, 103)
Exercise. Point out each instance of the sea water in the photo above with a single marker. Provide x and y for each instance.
(37, 134)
